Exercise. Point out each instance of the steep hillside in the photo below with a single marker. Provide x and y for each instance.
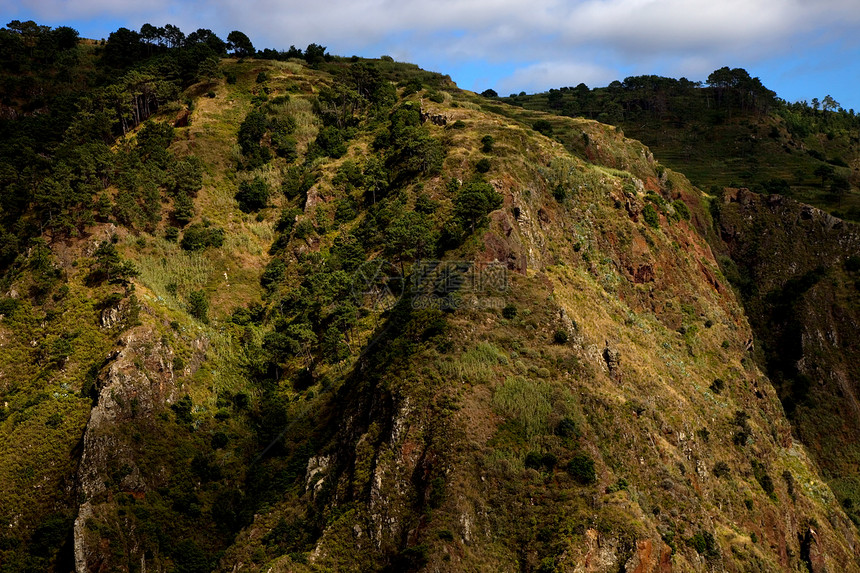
(340, 317)
(796, 269)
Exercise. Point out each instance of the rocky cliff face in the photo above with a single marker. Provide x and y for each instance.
(796, 268)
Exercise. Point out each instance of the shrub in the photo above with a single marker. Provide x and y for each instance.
(717, 386)
(487, 143)
(649, 213)
(483, 165)
(509, 312)
(560, 336)
(459, 124)
(253, 195)
(705, 544)
(566, 428)
(273, 274)
(619, 485)
(538, 461)
(681, 209)
(199, 236)
(219, 440)
(182, 409)
(297, 181)
(789, 483)
(721, 469)
(763, 478)
(581, 468)
(329, 142)
(543, 126)
(171, 234)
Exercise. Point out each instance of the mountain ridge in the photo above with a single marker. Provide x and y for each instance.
(246, 412)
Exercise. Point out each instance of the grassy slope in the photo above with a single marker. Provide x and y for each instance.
(429, 453)
(468, 411)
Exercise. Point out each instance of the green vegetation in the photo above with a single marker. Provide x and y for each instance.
(729, 131)
(277, 295)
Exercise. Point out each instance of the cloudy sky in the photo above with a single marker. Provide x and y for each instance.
(799, 48)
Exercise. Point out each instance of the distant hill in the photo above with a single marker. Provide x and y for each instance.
(730, 131)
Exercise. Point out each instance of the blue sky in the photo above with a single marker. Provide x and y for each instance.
(799, 48)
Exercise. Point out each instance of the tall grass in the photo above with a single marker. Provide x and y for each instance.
(526, 401)
(301, 110)
(475, 366)
(187, 271)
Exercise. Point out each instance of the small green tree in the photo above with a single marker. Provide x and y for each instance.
(581, 468)
(409, 237)
(253, 195)
(109, 266)
(825, 172)
(240, 44)
(198, 306)
(474, 202)
(209, 70)
(649, 213)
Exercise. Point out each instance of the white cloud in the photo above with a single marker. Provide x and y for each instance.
(548, 38)
(545, 75)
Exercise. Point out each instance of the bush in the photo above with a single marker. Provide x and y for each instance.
(581, 468)
(763, 478)
(509, 312)
(329, 142)
(717, 386)
(543, 126)
(199, 236)
(297, 181)
(487, 143)
(538, 461)
(721, 469)
(273, 274)
(649, 213)
(681, 210)
(566, 428)
(171, 234)
(483, 165)
(253, 195)
(705, 544)
(219, 440)
(560, 336)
